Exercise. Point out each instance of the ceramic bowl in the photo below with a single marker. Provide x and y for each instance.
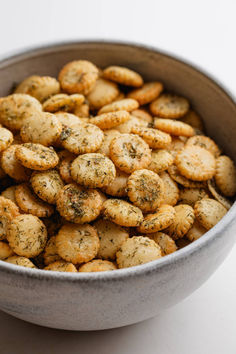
(104, 300)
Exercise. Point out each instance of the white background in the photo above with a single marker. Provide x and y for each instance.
(200, 31)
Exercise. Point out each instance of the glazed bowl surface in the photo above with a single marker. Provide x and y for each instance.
(95, 301)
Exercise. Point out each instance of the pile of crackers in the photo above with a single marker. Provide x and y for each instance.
(101, 171)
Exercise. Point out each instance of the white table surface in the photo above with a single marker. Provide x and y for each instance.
(200, 31)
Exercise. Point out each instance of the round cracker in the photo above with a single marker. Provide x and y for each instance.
(110, 120)
(103, 93)
(145, 190)
(204, 142)
(183, 221)
(36, 156)
(43, 128)
(123, 76)
(127, 104)
(137, 250)
(61, 266)
(40, 87)
(77, 243)
(147, 93)
(195, 163)
(78, 204)
(171, 190)
(93, 170)
(129, 153)
(47, 184)
(173, 127)
(155, 138)
(84, 139)
(225, 176)
(122, 212)
(142, 114)
(97, 265)
(166, 243)
(27, 235)
(62, 102)
(209, 212)
(161, 160)
(169, 106)
(20, 261)
(78, 76)
(30, 203)
(16, 108)
(163, 217)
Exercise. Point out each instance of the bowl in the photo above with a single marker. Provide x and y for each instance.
(96, 301)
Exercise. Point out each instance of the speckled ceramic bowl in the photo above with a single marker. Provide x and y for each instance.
(112, 299)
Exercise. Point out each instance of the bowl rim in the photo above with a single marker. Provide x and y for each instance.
(167, 261)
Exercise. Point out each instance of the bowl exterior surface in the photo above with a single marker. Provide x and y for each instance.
(113, 299)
